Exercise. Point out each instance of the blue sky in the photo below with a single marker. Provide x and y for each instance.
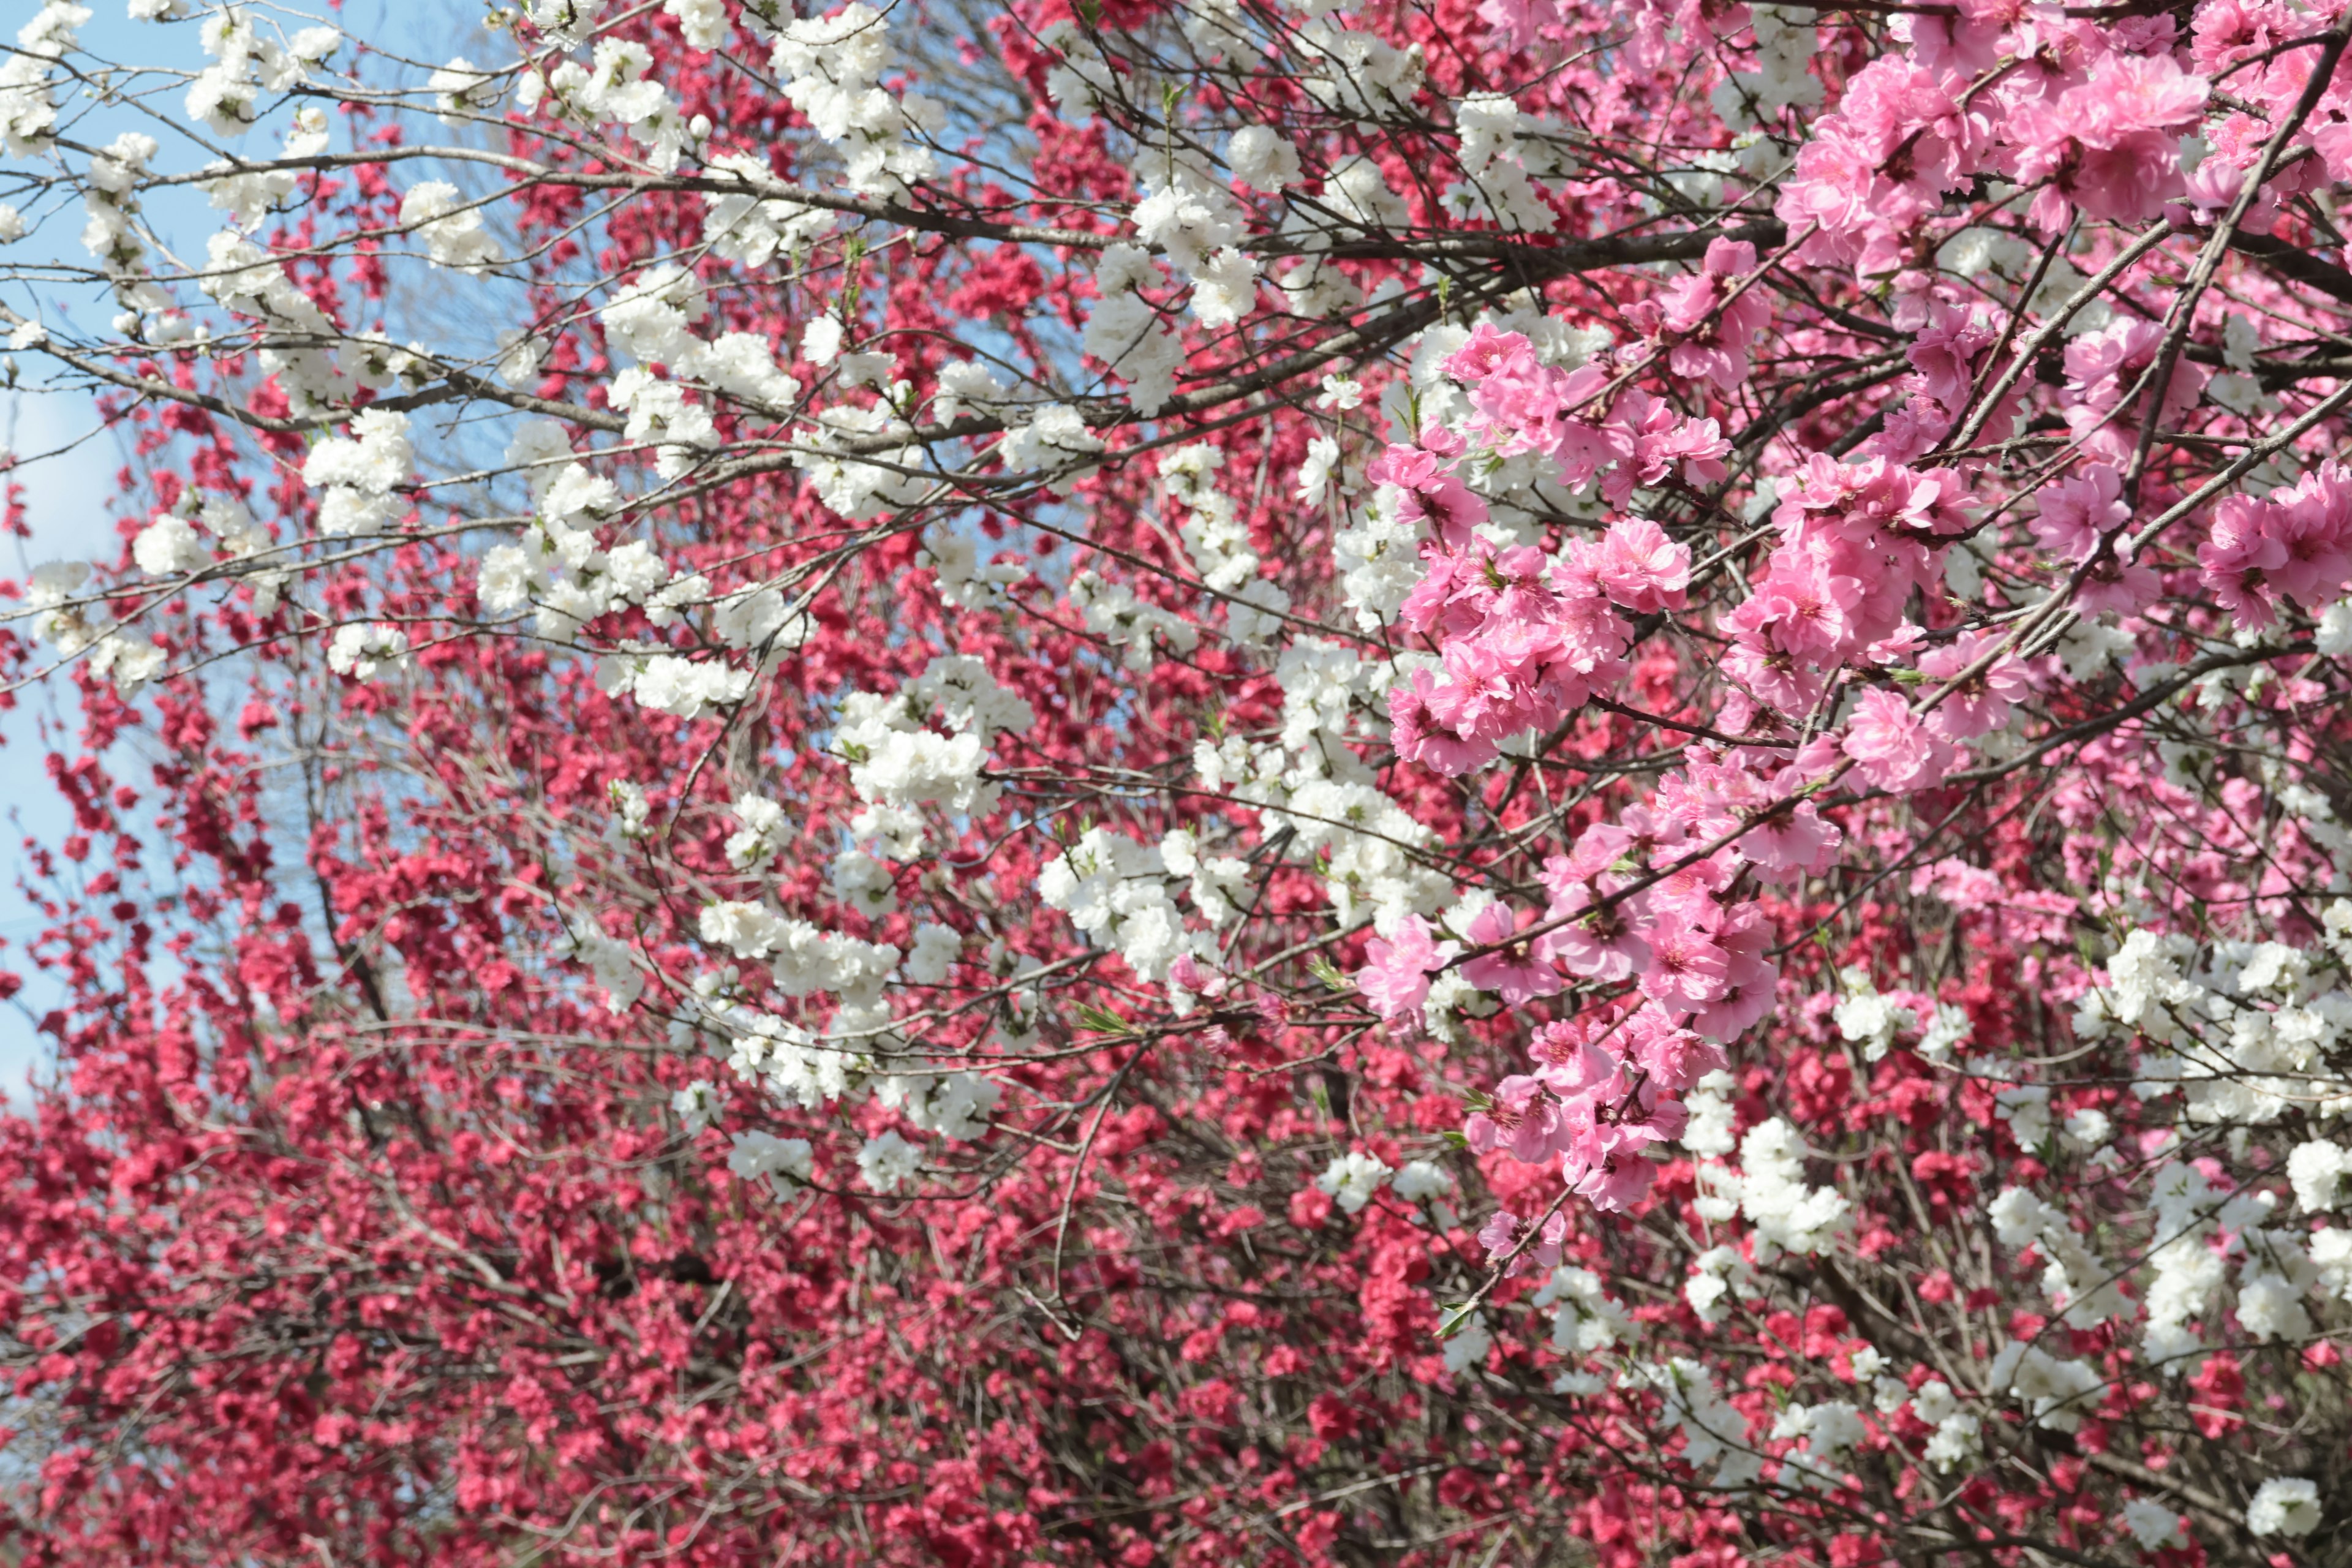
(69, 494)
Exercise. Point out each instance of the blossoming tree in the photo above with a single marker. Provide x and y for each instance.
(1083, 781)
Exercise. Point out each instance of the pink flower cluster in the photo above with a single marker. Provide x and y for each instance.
(1602, 1093)
(1707, 329)
(2089, 111)
(1525, 637)
(2103, 370)
(1525, 406)
(1855, 539)
(1698, 956)
(2296, 545)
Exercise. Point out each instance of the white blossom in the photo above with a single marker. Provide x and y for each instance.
(1352, 1180)
(2285, 1506)
(887, 1160)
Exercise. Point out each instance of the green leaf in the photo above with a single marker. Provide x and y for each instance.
(1454, 1319)
(1102, 1020)
(1323, 968)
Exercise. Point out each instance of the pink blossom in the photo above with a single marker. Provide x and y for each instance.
(2240, 558)
(1795, 841)
(1897, 750)
(2110, 145)
(1616, 1182)
(1686, 968)
(1597, 848)
(1639, 567)
(1430, 493)
(1981, 704)
(2312, 523)
(2077, 511)
(1500, 1233)
(1649, 438)
(1945, 353)
(1604, 945)
(1396, 981)
(1419, 738)
(1513, 972)
(1574, 1065)
(1520, 1120)
(1675, 1057)
(1709, 330)
(1487, 348)
(1749, 977)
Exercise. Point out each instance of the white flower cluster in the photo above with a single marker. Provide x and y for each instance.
(1380, 560)
(612, 86)
(172, 546)
(1872, 1021)
(1353, 1180)
(611, 960)
(1958, 1438)
(682, 688)
(112, 236)
(765, 833)
(227, 95)
(1079, 76)
(1496, 164)
(250, 194)
(1310, 782)
(1787, 1214)
(774, 1162)
(898, 760)
(1355, 74)
(1830, 1430)
(790, 1064)
(2077, 1280)
(2285, 1506)
(1128, 332)
(1585, 1320)
(2153, 1524)
(1217, 879)
(888, 1162)
(1054, 438)
(955, 1105)
(952, 553)
(1219, 544)
(806, 960)
(1786, 43)
(2241, 1030)
(248, 280)
(813, 1073)
(437, 212)
(2060, 1393)
(1140, 630)
(1716, 1275)
(832, 71)
(1468, 1345)
(2275, 1271)
(358, 473)
(1115, 891)
(751, 228)
(1261, 158)
(653, 318)
(361, 651)
(697, 1105)
(28, 114)
(1713, 1432)
(851, 466)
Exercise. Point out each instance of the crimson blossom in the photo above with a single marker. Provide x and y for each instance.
(1021, 782)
